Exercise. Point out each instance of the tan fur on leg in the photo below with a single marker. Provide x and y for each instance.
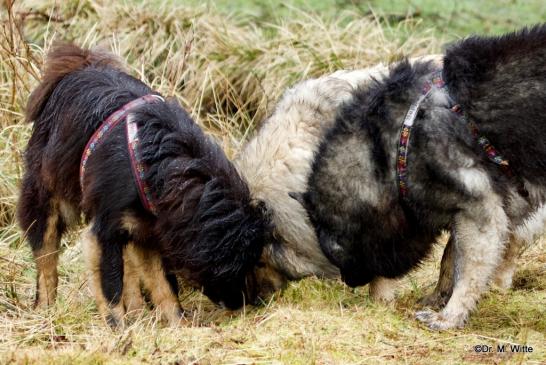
(47, 259)
(383, 289)
(132, 296)
(505, 272)
(524, 235)
(112, 314)
(154, 279)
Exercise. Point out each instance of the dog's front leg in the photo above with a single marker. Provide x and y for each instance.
(505, 272)
(444, 287)
(480, 234)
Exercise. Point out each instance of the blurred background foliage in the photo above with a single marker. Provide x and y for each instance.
(449, 19)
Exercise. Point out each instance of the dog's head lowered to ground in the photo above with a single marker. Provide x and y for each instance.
(204, 224)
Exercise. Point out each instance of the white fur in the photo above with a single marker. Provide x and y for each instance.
(474, 180)
(383, 289)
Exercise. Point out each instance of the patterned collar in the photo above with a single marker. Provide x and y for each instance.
(132, 142)
(489, 150)
(436, 81)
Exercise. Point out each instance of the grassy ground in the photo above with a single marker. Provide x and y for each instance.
(229, 71)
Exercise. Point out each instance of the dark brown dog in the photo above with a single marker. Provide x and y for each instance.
(205, 227)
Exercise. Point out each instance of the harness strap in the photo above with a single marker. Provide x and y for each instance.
(105, 129)
(138, 168)
(491, 152)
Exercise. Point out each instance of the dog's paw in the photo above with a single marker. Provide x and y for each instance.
(438, 321)
(178, 317)
(114, 321)
(41, 305)
(114, 316)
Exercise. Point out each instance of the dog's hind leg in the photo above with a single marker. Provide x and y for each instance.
(163, 290)
(480, 234)
(444, 287)
(43, 224)
(46, 256)
(132, 294)
(522, 237)
(505, 272)
(104, 258)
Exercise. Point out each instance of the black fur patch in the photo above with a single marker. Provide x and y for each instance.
(500, 83)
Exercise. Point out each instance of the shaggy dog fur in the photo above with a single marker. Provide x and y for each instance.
(368, 230)
(278, 161)
(207, 227)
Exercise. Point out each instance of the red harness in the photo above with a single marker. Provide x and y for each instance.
(132, 144)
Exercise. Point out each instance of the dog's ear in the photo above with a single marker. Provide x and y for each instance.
(300, 197)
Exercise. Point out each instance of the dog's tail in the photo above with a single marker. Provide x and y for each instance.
(61, 60)
(500, 82)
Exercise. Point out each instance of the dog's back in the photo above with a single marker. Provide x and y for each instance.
(79, 89)
(501, 84)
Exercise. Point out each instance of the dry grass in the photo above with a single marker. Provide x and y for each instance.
(229, 74)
